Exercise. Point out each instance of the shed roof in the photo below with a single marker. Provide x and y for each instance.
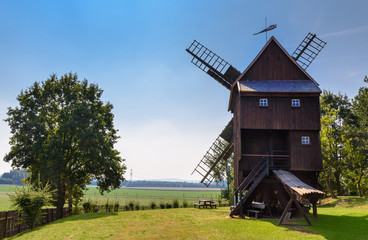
(279, 86)
(295, 184)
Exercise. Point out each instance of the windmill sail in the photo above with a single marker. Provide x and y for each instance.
(308, 50)
(216, 158)
(212, 64)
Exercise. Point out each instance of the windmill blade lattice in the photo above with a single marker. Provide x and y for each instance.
(308, 50)
(215, 160)
(212, 64)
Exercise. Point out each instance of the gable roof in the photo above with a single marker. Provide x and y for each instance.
(266, 50)
(302, 83)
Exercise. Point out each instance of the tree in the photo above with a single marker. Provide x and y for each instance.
(29, 201)
(63, 134)
(329, 146)
(343, 116)
(16, 176)
(359, 135)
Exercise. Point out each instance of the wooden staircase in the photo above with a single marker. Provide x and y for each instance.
(243, 201)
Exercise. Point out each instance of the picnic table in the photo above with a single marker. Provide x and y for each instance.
(205, 204)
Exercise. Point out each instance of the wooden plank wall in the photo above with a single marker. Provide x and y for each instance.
(305, 157)
(274, 64)
(280, 115)
(237, 141)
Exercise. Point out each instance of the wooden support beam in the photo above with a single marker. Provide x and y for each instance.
(314, 210)
(297, 204)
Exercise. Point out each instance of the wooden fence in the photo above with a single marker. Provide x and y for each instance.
(9, 221)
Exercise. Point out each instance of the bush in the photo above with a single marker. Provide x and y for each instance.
(162, 205)
(86, 207)
(137, 207)
(116, 205)
(29, 201)
(185, 203)
(131, 205)
(153, 205)
(175, 203)
(168, 205)
(107, 204)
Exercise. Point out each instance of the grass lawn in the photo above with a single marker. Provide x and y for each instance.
(348, 220)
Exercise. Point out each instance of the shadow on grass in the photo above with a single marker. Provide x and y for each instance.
(334, 227)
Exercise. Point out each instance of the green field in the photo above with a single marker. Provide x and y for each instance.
(336, 220)
(124, 195)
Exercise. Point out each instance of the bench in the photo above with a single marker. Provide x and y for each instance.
(213, 205)
(253, 211)
(257, 209)
(199, 205)
(205, 203)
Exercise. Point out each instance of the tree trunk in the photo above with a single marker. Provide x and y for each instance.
(360, 190)
(330, 190)
(70, 203)
(61, 200)
(338, 184)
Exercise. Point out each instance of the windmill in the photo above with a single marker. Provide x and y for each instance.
(221, 151)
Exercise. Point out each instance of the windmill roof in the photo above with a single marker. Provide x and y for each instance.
(278, 86)
(273, 40)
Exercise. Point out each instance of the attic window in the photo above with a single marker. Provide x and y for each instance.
(263, 102)
(295, 102)
(305, 140)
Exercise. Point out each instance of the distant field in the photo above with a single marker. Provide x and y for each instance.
(124, 195)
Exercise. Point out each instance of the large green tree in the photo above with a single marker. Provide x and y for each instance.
(63, 133)
(338, 105)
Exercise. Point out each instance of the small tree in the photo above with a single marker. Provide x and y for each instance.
(29, 201)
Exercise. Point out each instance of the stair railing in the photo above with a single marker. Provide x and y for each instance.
(260, 166)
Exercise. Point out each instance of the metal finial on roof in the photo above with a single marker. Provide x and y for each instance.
(269, 28)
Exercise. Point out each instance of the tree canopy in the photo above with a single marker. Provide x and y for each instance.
(344, 135)
(63, 133)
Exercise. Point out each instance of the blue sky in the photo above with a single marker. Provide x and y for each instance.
(167, 111)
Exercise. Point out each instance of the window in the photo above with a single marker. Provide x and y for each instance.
(305, 140)
(295, 102)
(263, 102)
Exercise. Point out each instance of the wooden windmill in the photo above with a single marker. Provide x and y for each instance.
(274, 133)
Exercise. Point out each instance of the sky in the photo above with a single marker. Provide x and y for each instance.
(167, 111)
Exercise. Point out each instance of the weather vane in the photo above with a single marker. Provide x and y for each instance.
(271, 27)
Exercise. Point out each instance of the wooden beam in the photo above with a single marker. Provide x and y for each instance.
(297, 204)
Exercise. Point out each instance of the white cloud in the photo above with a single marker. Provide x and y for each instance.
(361, 29)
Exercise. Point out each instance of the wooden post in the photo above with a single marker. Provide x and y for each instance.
(292, 199)
(19, 225)
(314, 209)
(5, 224)
(285, 211)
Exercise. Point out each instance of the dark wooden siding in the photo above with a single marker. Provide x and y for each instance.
(237, 141)
(274, 64)
(280, 114)
(305, 157)
(262, 142)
